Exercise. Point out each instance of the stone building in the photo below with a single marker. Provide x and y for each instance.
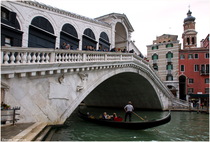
(163, 55)
(33, 24)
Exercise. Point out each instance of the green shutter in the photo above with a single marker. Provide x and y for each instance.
(157, 56)
(171, 44)
(171, 55)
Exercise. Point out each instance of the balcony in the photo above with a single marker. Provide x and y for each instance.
(204, 72)
(169, 72)
(169, 60)
(154, 61)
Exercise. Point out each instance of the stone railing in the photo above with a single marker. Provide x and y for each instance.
(48, 61)
(19, 55)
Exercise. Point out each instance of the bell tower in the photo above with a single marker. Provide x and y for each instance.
(190, 35)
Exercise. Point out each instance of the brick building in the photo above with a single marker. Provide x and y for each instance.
(193, 65)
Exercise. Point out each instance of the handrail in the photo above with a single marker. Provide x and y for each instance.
(13, 114)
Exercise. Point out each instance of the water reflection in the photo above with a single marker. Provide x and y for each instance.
(184, 126)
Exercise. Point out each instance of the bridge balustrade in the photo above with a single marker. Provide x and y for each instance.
(20, 55)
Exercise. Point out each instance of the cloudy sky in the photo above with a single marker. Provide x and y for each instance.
(148, 18)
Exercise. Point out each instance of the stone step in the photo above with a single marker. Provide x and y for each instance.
(30, 133)
(43, 133)
(34, 132)
(49, 136)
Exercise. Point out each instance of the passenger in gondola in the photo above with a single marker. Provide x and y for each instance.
(105, 116)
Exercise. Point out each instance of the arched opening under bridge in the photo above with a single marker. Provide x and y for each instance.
(117, 90)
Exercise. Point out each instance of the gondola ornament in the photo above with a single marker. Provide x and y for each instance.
(84, 78)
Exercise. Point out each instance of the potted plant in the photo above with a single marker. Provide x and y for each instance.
(3, 105)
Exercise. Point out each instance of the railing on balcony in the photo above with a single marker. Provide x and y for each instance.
(169, 72)
(154, 61)
(169, 60)
(204, 72)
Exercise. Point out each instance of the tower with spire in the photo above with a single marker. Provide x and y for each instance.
(190, 35)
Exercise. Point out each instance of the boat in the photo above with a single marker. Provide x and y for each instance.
(128, 125)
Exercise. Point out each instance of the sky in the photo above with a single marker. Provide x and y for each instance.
(148, 18)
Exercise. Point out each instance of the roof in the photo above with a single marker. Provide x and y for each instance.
(118, 16)
(189, 17)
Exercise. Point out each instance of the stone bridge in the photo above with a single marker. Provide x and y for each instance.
(49, 84)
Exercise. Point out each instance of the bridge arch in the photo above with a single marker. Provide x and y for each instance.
(113, 75)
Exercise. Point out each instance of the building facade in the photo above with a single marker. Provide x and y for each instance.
(193, 65)
(163, 55)
(33, 24)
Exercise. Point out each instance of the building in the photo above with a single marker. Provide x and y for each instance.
(193, 65)
(163, 55)
(33, 24)
(205, 42)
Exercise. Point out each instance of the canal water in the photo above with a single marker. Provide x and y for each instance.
(184, 126)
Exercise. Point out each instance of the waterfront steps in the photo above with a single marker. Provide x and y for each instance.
(30, 133)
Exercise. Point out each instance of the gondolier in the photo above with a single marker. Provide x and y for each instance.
(128, 109)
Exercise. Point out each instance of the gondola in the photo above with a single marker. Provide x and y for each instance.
(127, 125)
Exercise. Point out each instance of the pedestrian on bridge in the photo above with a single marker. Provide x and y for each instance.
(128, 109)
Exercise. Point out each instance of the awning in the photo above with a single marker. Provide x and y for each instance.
(199, 95)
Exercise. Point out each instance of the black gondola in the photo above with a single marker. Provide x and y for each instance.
(127, 125)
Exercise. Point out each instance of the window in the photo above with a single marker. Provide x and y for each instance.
(8, 42)
(190, 90)
(206, 80)
(206, 90)
(169, 55)
(182, 67)
(169, 45)
(196, 56)
(169, 78)
(193, 40)
(155, 57)
(182, 56)
(190, 56)
(207, 55)
(4, 14)
(196, 68)
(154, 47)
(169, 67)
(155, 67)
(188, 41)
(190, 80)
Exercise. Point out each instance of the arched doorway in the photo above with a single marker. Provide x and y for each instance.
(88, 39)
(120, 36)
(104, 42)
(182, 87)
(69, 35)
(41, 33)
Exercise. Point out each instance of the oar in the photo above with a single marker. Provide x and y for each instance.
(144, 120)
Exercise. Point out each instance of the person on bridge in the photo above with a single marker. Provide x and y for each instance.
(128, 109)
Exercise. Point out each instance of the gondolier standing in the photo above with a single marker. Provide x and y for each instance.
(128, 109)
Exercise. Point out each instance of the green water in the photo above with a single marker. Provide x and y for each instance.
(184, 126)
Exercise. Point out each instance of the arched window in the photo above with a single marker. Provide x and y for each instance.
(169, 55)
(104, 42)
(69, 35)
(88, 40)
(193, 40)
(155, 57)
(188, 41)
(41, 33)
